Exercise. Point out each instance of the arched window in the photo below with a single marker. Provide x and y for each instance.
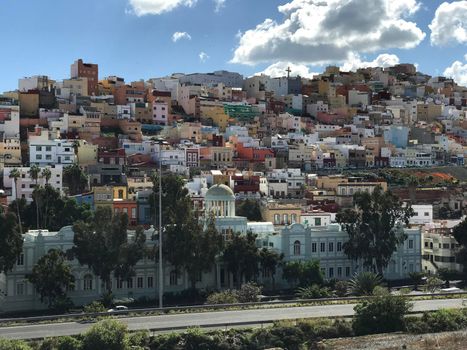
(87, 282)
(173, 278)
(296, 248)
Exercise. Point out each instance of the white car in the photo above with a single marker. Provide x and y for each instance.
(118, 308)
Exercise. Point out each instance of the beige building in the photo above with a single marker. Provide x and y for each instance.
(281, 214)
(29, 104)
(221, 156)
(215, 113)
(429, 112)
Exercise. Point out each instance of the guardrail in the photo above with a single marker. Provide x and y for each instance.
(204, 307)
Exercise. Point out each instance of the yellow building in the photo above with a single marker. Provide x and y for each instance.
(281, 214)
(215, 113)
(103, 197)
(87, 153)
(29, 104)
(221, 156)
(429, 112)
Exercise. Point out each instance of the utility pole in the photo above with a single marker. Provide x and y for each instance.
(161, 273)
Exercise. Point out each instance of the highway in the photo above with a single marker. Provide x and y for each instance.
(211, 319)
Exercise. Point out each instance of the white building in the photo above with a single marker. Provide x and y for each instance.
(25, 185)
(48, 152)
(123, 112)
(423, 214)
(160, 111)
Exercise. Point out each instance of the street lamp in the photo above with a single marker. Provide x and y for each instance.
(161, 273)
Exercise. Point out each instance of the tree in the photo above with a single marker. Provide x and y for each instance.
(241, 257)
(34, 172)
(15, 174)
(11, 242)
(269, 260)
(417, 278)
(364, 283)
(303, 274)
(46, 174)
(460, 234)
(52, 277)
(250, 209)
(383, 314)
(108, 335)
(75, 179)
(374, 227)
(103, 245)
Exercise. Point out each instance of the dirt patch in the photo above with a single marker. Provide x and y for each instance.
(439, 341)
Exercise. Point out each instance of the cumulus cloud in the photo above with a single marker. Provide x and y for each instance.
(180, 35)
(449, 26)
(157, 7)
(279, 69)
(219, 5)
(384, 60)
(458, 72)
(203, 56)
(320, 32)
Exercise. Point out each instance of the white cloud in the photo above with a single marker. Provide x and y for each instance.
(384, 60)
(180, 35)
(157, 7)
(320, 32)
(219, 5)
(458, 72)
(203, 56)
(279, 69)
(449, 26)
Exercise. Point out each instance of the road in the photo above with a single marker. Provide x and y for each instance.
(211, 319)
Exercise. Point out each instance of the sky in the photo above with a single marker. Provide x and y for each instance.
(142, 39)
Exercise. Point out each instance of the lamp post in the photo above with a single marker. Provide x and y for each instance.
(161, 273)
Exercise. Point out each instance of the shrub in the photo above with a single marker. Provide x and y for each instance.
(341, 288)
(313, 292)
(108, 335)
(364, 283)
(382, 314)
(224, 297)
(61, 343)
(6, 344)
(439, 321)
(249, 293)
(94, 307)
(433, 283)
(140, 338)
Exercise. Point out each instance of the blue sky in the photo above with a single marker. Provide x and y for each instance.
(46, 36)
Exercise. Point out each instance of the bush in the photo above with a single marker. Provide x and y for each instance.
(6, 344)
(341, 288)
(108, 335)
(433, 283)
(364, 283)
(61, 343)
(224, 297)
(249, 293)
(140, 338)
(438, 321)
(94, 307)
(382, 314)
(313, 292)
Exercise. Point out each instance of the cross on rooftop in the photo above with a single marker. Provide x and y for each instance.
(288, 70)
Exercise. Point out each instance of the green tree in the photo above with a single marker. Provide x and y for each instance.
(303, 274)
(46, 174)
(103, 245)
(382, 314)
(460, 234)
(241, 257)
(364, 283)
(250, 209)
(7, 344)
(75, 179)
(34, 172)
(269, 261)
(52, 277)
(417, 278)
(15, 175)
(374, 227)
(11, 242)
(108, 335)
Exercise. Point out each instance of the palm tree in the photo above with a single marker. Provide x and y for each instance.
(15, 174)
(364, 283)
(34, 171)
(46, 174)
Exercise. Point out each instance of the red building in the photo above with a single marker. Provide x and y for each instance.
(112, 157)
(128, 207)
(89, 71)
(252, 153)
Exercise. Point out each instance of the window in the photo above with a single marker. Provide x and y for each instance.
(120, 194)
(339, 271)
(410, 243)
(150, 282)
(317, 221)
(296, 248)
(173, 278)
(38, 148)
(294, 218)
(133, 213)
(313, 247)
(277, 219)
(48, 148)
(339, 246)
(347, 271)
(87, 282)
(119, 283)
(285, 219)
(331, 272)
(48, 157)
(20, 260)
(323, 247)
(427, 213)
(20, 288)
(130, 283)
(38, 156)
(331, 246)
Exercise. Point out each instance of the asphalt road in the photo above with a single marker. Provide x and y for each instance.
(211, 319)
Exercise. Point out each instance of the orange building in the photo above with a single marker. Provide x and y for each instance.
(89, 71)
